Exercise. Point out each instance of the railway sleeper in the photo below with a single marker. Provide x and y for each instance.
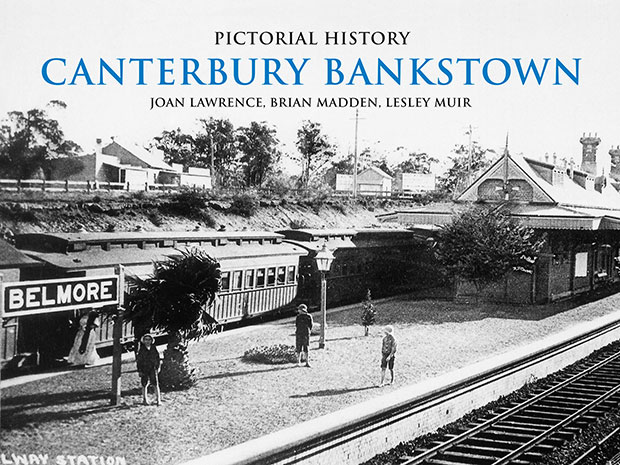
(518, 429)
(523, 424)
(562, 402)
(506, 435)
(564, 433)
(505, 445)
(575, 393)
(472, 456)
(487, 449)
(532, 418)
(549, 412)
(594, 385)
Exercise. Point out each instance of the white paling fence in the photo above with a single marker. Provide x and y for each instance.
(19, 185)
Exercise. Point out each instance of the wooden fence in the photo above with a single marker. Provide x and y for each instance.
(21, 185)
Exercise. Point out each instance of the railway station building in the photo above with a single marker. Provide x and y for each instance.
(575, 210)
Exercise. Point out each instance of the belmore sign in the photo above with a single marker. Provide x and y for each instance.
(32, 297)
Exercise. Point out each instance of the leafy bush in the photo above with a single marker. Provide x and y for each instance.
(301, 223)
(188, 203)
(155, 217)
(244, 205)
(273, 355)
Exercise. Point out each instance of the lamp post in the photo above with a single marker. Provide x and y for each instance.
(324, 259)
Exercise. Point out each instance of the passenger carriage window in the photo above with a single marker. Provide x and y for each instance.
(260, 278)
(281, 275)
(290, 276)
(225, 281)
(237, 280)
(249, 279)
(271, 276)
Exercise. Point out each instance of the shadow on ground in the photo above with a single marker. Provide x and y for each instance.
(331, 392)
(19, 411)
(247, 372)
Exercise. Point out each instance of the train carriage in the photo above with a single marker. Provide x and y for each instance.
(385, 261)
(259, 271)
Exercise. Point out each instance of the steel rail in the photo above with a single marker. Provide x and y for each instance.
(488, 423)
(544, 435)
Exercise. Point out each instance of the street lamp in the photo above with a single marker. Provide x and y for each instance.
(324, 259)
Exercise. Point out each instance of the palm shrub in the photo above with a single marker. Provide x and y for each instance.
(368, 313)
(176, 299)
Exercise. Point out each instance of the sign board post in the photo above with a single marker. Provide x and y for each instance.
(1, 312)
(23, 298)
(117, 333)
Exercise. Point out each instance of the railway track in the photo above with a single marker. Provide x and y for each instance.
(525, 432)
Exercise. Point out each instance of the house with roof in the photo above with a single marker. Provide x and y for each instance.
(373, 181)
(130, 165)
(576, 212)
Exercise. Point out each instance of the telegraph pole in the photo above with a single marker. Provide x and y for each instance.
(355, 156)
(212, 163)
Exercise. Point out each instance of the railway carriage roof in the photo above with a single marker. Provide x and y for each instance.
(68, 242)
(98, 258)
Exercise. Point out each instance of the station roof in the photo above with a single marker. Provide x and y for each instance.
(562, 198)
(311, 235)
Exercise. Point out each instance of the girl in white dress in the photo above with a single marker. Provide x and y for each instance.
(83, 351)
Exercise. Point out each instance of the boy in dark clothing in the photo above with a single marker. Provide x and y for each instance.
(388, 351)
(303, 327)
(148, 362)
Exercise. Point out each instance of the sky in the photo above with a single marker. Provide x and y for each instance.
(538, 119)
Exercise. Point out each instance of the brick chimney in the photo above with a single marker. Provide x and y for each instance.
(588, 157)
(614, 153)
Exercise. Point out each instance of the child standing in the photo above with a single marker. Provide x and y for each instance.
(388, 351)
(148, 362)
(303, 328)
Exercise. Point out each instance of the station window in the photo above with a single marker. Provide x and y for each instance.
(345, 269)
(281, 275)
(249, 279)
(290, 276)
(271, 276)
(260, 277)
(237, 280)
(225, 281)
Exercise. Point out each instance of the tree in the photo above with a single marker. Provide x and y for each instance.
(482, 244)
(176, 299)
(343, 166)
(259, 148)
(28, 141)
(218, 138)
(416, 163)
(178, 147)
(314, 148)
(464, 167)
(368, 313)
